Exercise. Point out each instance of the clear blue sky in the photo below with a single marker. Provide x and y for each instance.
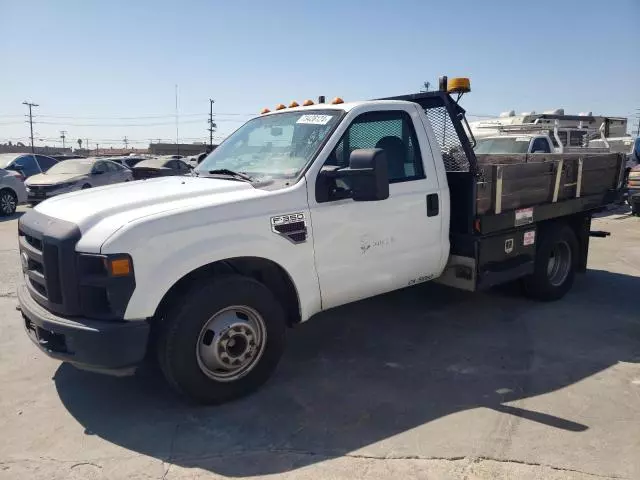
(94, 61)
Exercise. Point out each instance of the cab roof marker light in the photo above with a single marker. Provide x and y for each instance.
(307, 103)
(280, 106)
(293, 104)
(264, 110)
(337, 101)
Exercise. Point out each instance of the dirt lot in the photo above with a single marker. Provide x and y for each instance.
(423, 383)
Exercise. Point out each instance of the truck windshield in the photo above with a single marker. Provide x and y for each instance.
(503, 145)
(277, 145)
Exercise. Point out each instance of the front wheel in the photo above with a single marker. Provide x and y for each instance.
(555, 263)
(222, 340)
(8, 202)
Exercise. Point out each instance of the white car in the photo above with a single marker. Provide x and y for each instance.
(12, 192)
(76, 174)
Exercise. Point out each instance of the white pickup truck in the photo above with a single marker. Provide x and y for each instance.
(300, 210)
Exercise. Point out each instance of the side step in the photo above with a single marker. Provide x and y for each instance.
(599, 233)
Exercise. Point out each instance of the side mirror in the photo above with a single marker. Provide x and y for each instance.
(367, 177)
(368, 174)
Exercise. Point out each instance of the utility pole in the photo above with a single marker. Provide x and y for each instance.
(126, 142)
(177, 135)
(212, 125)
(63, 135)
(31, 105)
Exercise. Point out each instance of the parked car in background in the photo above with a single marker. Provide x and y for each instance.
(75, 174)
(128, 162)
(12, 191)
(160, 167)
(26, 164)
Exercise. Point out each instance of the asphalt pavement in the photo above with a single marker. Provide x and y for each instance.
(427, 382)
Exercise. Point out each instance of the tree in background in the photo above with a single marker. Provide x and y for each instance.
(79, 143)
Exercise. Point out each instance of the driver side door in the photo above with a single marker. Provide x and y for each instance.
(364, 248)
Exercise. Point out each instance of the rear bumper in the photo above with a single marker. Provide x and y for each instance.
(104, 346)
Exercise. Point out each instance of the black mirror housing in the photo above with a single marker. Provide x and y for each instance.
(369, 174)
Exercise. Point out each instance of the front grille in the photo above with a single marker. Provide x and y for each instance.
(47, 250)
(52, 269)
(34, 242)
(42, 188)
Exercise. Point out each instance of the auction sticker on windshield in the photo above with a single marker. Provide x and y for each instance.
(314, 119)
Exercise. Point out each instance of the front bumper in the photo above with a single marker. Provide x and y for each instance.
(34, 197)
(112, 347)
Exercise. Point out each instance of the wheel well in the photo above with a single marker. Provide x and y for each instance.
(581, 225)
(9, 189)
(267, 272)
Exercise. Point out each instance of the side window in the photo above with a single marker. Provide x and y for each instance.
(112, 166)
(540, 145)
(45, 162)
(391, 131)
(27, 165)
(99, 167)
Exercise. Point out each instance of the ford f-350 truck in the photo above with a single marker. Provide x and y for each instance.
(300, 210)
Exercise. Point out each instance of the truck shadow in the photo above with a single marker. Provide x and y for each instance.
(365, 372)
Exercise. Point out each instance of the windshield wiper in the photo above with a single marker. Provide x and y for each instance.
(230, 173)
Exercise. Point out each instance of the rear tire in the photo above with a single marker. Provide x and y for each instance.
(555, 264)
(85, 186)
(8, 202)
(222, 340)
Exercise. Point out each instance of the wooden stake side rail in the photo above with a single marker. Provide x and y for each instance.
(512, 182)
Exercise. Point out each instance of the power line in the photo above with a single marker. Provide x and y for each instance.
(137, 117)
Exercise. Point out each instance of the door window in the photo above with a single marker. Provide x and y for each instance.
(391, 131)
(540, 145)
(26, 164)
(45, 162)
(113, 167)
(99, 167)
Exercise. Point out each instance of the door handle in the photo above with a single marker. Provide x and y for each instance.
(433, 205)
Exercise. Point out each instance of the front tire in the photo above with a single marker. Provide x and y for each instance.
(222, 340)
(8, 202)
(555, 264)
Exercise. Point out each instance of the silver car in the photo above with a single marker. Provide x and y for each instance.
(12, 192)
(77, 174)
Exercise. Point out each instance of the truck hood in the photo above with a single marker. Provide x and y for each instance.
(115, 205)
